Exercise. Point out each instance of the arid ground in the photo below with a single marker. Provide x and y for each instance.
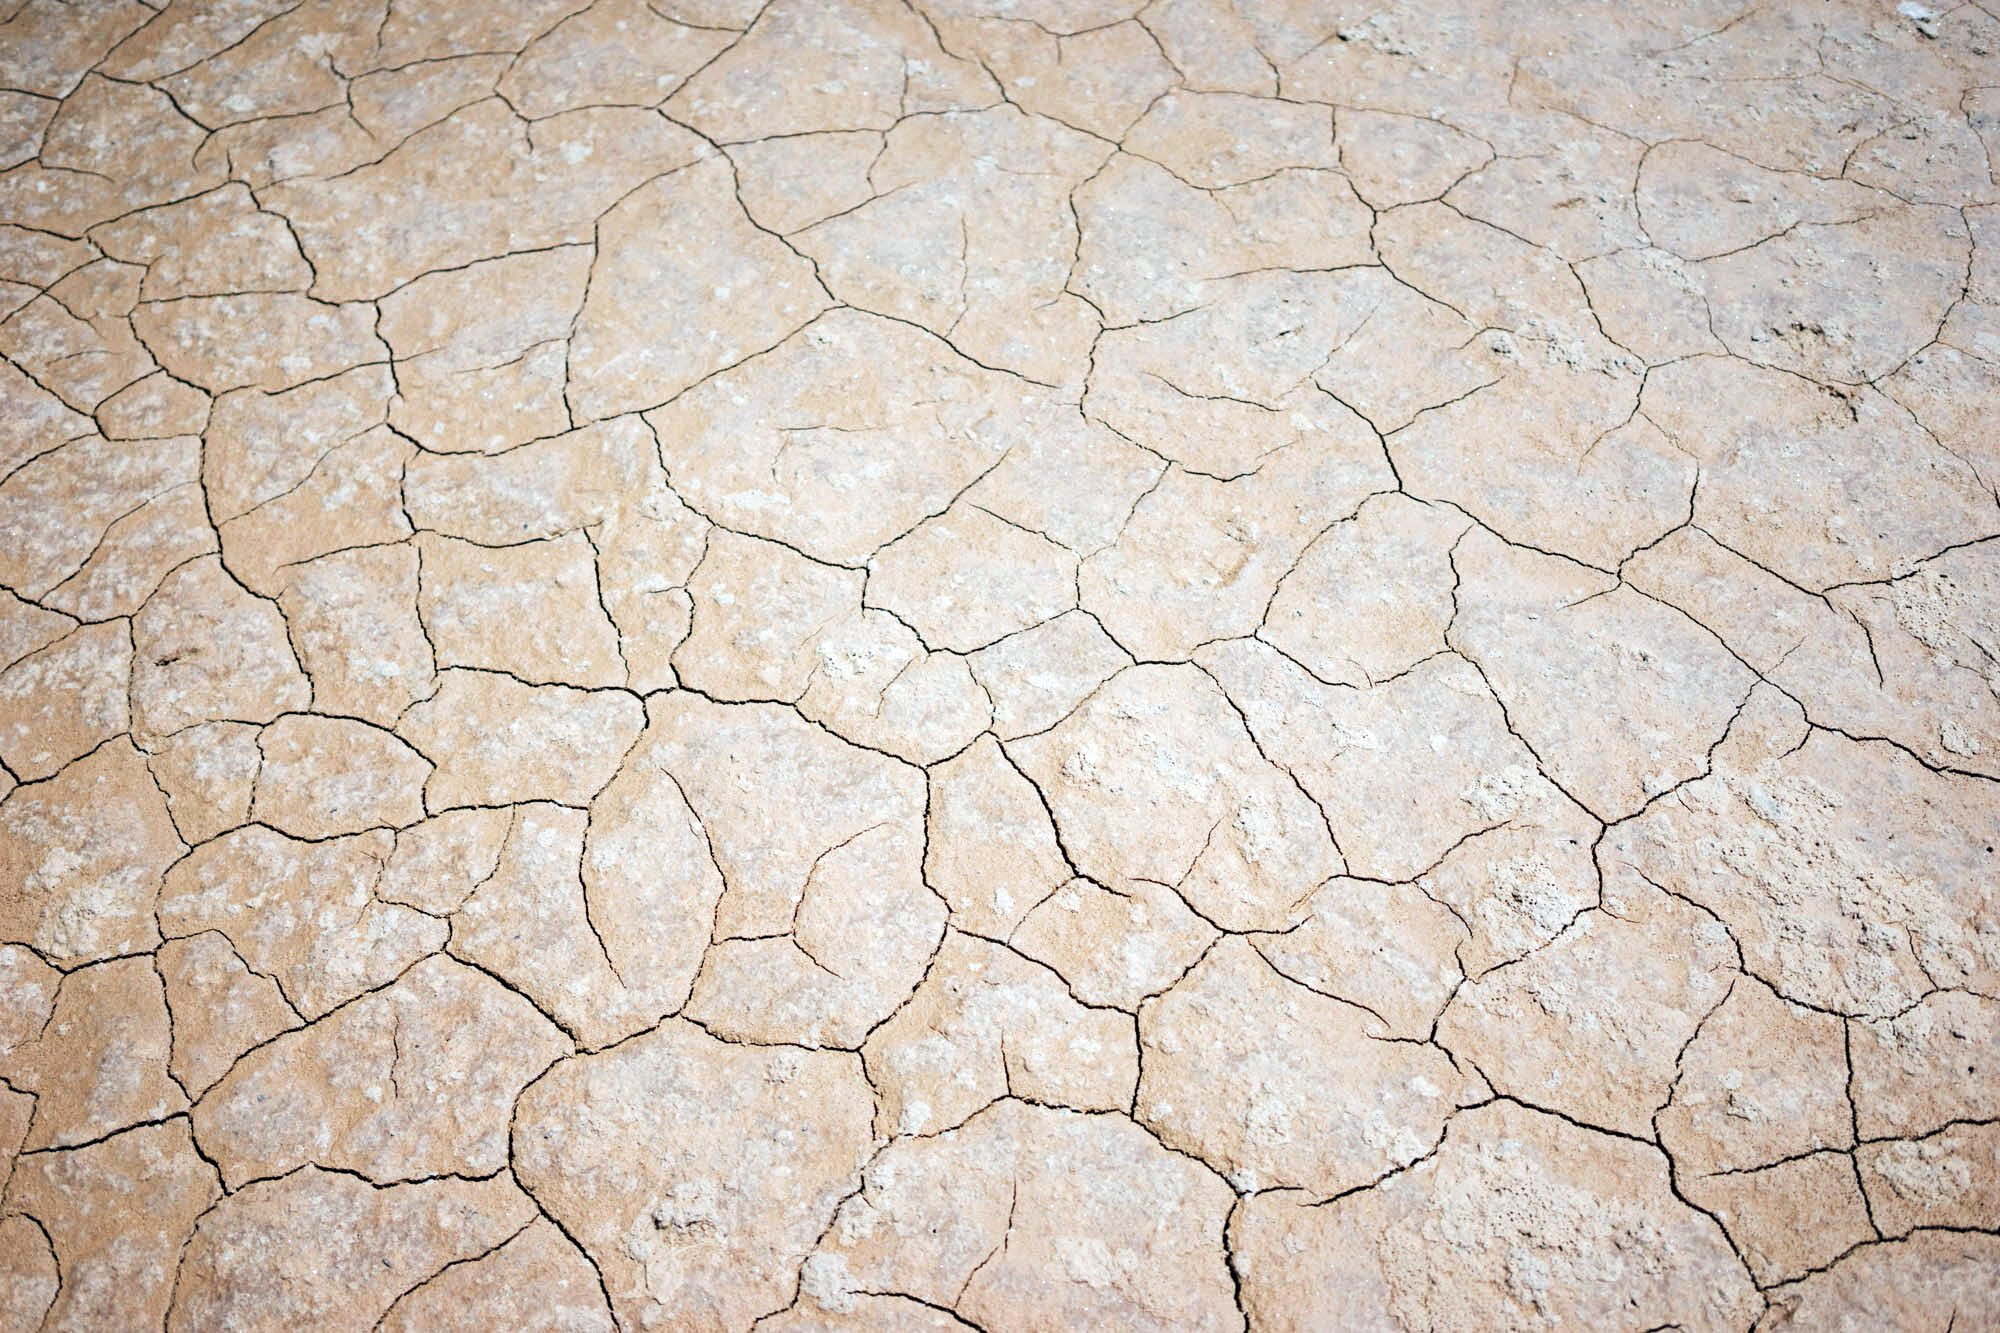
(1026, 665)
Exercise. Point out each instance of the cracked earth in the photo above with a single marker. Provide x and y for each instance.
(1055, 664)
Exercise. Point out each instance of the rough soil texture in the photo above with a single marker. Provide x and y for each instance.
(1022, 665)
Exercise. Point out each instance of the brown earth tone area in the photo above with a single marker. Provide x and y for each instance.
(1022, 665)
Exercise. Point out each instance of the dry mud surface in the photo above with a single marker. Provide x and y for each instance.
(999, 664)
